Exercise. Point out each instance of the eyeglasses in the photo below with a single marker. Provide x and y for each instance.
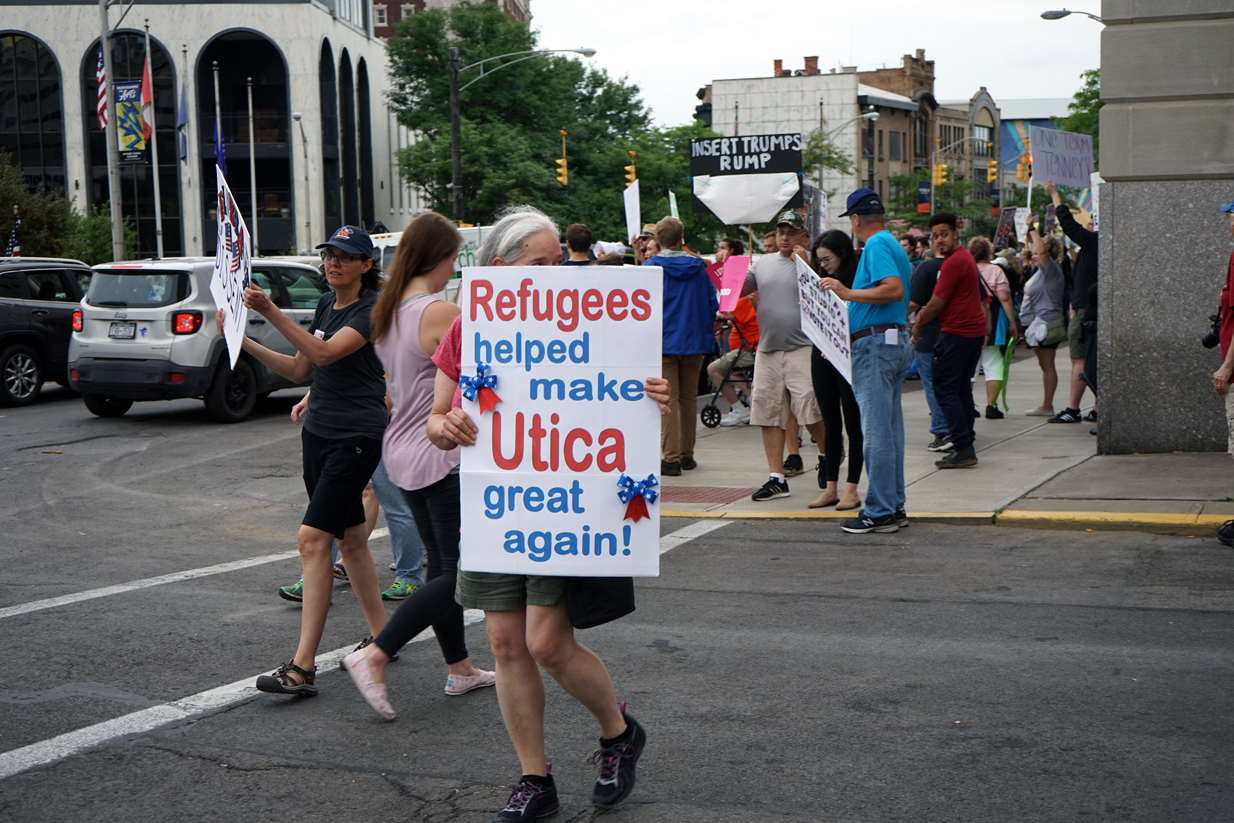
(341, 259)
(826, 259)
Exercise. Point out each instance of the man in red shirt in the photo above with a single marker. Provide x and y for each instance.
(1221, 377)
(957, 305)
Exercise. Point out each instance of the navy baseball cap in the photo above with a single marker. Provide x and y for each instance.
(1229, 208)
(864, 201)
(351, 239)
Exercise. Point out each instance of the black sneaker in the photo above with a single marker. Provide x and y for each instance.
(1066, 416)
(901, 518)
(529, 801)
(994, 413)
(770, 491)
(942, 443)
(672, 469)
(688, 464)
(617, 761)
(1225, 533)
(1091, 417)
(864, 524)
(793, 465)
(965, 458)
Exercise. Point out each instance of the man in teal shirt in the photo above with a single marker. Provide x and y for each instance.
(881, 353)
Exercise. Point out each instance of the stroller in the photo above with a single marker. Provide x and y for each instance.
(710, 413)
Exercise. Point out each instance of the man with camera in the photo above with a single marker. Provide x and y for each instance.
(1221, 377)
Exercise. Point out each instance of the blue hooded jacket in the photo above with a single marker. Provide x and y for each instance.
(690, 303)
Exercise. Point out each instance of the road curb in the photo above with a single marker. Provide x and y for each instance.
(1157, 523)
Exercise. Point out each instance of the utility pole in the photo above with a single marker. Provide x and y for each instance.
(118, 249)
(456, 141)
(154, 149)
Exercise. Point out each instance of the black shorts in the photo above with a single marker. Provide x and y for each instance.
(335, 474)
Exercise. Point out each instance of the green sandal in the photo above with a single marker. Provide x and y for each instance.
(284, 680)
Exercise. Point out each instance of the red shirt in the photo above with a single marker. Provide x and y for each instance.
(957, 283)
(746, 319)
(449, 356)
(1227, 310)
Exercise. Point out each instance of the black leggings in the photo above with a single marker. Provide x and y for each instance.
(436, 509)
(834, 395)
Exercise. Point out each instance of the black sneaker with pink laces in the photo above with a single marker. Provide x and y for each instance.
(533, 797)
(617, 759)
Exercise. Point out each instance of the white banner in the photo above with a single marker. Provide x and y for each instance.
(1061, 156)
(824, 319)
(564, 421)
(634, 220)
(232, 268)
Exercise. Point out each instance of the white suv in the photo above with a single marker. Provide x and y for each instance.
(146, 331)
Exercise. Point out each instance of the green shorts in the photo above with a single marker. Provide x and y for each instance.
(506, 592)
(1078, 347)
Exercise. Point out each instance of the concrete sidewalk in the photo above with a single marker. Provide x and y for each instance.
(1031, 473)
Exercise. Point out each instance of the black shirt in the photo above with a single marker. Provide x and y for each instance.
(1084, 272)
(349, 395)
(920, 290)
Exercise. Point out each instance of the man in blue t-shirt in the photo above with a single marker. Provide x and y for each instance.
(878, 327)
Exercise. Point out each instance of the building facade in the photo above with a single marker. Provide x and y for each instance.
(322, 136)
(387, 13)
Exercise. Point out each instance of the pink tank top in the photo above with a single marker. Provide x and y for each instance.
(411, 460)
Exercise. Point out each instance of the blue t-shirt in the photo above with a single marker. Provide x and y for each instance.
(882, 257)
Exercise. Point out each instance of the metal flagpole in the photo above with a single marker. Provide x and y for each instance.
(119, 250)
(253, 168)
(154, 148)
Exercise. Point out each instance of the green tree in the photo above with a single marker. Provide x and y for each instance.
(89, 237)
(46, 217)
(1084, 110)
(955, 196)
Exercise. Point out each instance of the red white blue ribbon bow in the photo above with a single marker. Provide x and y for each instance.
(480, 386)
(636, 495)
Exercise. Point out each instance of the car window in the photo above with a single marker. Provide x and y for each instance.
(83, 279)
(262, 278)
(137, 288)
(47, 285)
(302, 287)
(11, 285)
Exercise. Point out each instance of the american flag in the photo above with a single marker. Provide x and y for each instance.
(101, 76)
(13, 249)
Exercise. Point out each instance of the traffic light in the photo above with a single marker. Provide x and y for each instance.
(991, 175)
(1024, 168)
(940, 173)
(631, 172)
(563, 173)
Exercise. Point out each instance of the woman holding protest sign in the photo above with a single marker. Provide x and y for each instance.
(833, 253)
(408, 325)
(526, 616)
(341, 438)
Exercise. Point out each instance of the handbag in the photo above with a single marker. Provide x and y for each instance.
(1055, 332)
(594, 601)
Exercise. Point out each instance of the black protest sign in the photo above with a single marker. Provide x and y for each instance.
(747, 154)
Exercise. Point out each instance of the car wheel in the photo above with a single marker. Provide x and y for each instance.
(233, 393)
(21, 376)
(104, 405)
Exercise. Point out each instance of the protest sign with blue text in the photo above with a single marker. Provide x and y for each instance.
(1061, 156)
(565, 419)
(824, 319)
(232, 268)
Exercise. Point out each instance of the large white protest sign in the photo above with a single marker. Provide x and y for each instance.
(232, 268)
(824, 319)
(562, 423)
(1061, 156)
(634, 220)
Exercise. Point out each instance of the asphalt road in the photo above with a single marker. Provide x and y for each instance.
(784, 670)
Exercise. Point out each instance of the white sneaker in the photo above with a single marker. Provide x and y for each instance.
(736, 417)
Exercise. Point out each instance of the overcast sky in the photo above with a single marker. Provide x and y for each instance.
(670, 48)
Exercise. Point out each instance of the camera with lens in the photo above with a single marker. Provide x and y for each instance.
(1212, 337)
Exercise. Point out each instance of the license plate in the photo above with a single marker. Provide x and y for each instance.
(122, 331)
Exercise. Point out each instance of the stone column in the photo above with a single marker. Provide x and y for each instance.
(1167, 156)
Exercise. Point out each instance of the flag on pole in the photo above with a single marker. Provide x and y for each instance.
(101, 75)
(13, 249)
(219, 159)
(147, 101)
(182, 124)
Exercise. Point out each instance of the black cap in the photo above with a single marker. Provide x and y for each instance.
(864, 201)
(353, 240)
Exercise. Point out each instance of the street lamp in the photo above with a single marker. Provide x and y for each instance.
(456, 146)
(1061, 13)
(308, 200)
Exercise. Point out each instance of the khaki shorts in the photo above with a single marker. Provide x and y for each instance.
(1078, 348)
(743, 358)
(782, 383)
(1229, 417)
(506, 592)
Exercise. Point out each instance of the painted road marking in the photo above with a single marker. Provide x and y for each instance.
(175, 577)
(178, 711)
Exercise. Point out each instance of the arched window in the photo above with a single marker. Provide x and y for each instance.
(329, 139)
(368, 210)
(128, 58)
(347, 139)
(31, 111)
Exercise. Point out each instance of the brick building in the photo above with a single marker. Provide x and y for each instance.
(387, 13)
